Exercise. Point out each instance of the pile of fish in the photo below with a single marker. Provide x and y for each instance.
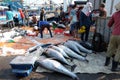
(57, 55)
(18, 32)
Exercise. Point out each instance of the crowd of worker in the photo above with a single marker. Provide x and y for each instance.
(80, 19)
(74, 16)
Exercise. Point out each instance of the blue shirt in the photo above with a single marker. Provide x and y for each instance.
(42, 23)
(9, 15)
(73, 15)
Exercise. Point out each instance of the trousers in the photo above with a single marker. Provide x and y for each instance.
(42, 29)
(114, 47)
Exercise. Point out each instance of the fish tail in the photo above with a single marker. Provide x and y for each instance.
(73, 67)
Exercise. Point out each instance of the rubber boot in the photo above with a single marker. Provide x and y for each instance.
(107, 62)
(114, 65)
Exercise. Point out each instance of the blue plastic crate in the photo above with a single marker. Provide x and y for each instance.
(22, 73)
(21, 66)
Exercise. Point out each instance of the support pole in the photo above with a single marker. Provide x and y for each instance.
(65, 5)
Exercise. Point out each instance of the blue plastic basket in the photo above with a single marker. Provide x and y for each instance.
(21, 66)
(22, 73)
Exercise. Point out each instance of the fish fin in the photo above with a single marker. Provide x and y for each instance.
(45, 50)
(71, 59)
(87, 61)
(73, 67)
(58, 43)
(84, 55)
(36, 64)
(46, 45)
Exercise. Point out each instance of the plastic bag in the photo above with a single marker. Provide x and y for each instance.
(82, 29)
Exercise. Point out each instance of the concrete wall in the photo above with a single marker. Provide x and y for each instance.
(96, 3)
(101, 25)
(110, 6)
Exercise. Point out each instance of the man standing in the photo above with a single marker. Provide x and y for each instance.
(62, 15)
(56, 15)
(103, 12)
(22, 16)
(114, 44)
(26, 17)
(73, 20)
(86, 20)
(9, 16)
(42, 14)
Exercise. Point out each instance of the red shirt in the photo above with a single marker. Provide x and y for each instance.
(21, 14)
(116, 21)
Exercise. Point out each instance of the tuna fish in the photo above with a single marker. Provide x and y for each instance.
(60, 50)
(72, 53)
(80, 47)
(56, 55)
(56, 66)
(73, 47)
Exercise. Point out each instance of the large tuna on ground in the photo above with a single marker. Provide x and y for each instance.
(74, 48)
(56, 66)
(80, 47)
(56, 55)
(60, 50)
(72, 53)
